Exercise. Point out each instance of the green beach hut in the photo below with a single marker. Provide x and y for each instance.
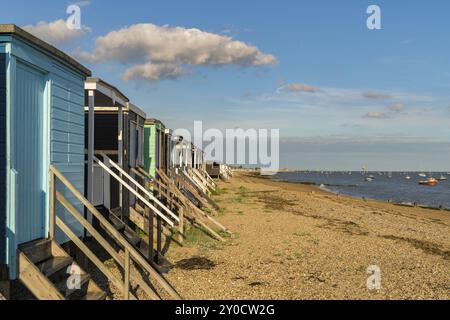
(156, 147)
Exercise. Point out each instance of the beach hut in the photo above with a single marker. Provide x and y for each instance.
(182, 153)
(157, 147)
(119, 134)
(41, 125)
(169, 150)
(213, 169)
(108, 120)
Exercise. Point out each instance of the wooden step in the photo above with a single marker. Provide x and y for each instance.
(62, 285)
(47, 280)
(132, 237)
(117, 224)
(38, 250)
(54, 265)
(39, 285)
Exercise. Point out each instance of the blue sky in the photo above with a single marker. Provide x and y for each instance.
(334, 88)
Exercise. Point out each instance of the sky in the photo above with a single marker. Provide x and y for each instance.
(343, 96)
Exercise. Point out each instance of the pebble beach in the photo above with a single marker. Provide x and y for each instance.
(297, 242)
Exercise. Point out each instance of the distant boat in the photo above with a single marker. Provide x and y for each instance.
(442, 178)
(429, 182)
(408, 178)
(370, 179)
(423, 175)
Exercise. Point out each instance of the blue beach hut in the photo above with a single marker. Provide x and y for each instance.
(41, 124)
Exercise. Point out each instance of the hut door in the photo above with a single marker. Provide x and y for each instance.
(27, 153)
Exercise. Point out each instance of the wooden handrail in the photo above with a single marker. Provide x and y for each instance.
(140, 197)
(208, 177)
(137, 184)
(116, 235)
(202, 179)
(195, 182)
(187, 185)
(97, 262)
(161, 185)
(196, 210)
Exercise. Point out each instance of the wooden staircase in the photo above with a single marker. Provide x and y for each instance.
(128, 233)
(136, 271)
(47, 271)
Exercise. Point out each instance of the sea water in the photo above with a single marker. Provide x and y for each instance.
(386, 186)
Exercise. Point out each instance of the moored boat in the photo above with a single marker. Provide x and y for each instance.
(442, 178)
(430, 182)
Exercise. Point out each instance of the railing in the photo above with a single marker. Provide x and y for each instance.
(197, 214)
(131, 255)
(135, 193)
(194, 181)
(208, 177)
(172, 199)
(203, 179)
(182, 182)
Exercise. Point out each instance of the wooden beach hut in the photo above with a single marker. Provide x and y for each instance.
(41, 127)
(157, 147)
(213, 169)
(116, 187)
(106, 130)
(119, 134)
(42, 178)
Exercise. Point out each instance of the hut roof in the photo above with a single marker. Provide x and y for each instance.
(137, 110)
(12, 29)
(154, 122)
(109, 88)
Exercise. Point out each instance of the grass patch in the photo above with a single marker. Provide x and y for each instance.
(309, 236)
(111, 263)
(224, 234)
(240, 199)
(242, 189)
(314, 241)
(361, 269)
(302, 234)
(277, 254)
(219, 192)
(199, 237)
(221, 212)
(298, 256)
(140, 233)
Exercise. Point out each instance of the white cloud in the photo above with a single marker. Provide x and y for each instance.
(376, 115)
(376, 95)
(299, 87)
(148, 45)
(56, 32)
(83, 3)
(396, 107)
(154, 72)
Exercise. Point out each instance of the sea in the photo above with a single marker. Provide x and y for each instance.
(386, 186)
